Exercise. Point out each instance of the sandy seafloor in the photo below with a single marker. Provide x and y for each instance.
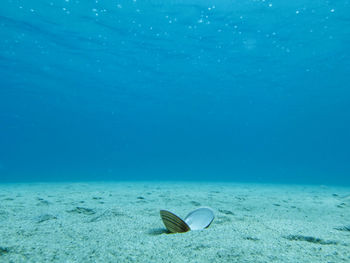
(120, 222)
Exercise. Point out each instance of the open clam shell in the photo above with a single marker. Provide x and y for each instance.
(196, 220)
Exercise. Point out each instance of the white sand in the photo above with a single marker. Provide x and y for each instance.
(120, 222)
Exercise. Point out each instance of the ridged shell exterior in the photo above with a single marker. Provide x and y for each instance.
(173, 223)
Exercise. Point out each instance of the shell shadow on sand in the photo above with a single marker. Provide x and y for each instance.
(157, 231)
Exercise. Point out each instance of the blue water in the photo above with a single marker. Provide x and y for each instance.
(181, 89)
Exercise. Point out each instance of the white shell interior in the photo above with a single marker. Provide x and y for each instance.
(200, 218)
